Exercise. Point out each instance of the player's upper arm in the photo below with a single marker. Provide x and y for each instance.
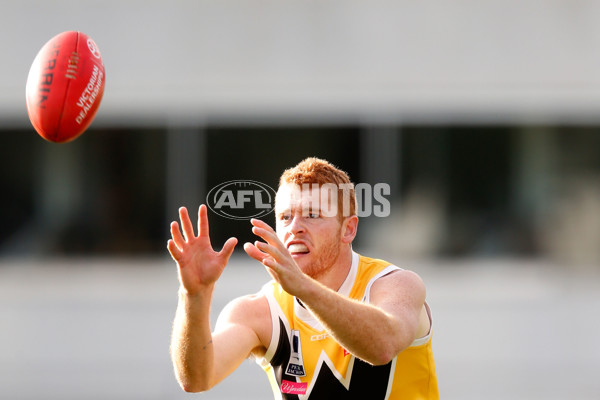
(401, 294)
(240, 331)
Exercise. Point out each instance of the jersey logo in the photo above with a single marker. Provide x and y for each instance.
(296, 365)
(289, 387)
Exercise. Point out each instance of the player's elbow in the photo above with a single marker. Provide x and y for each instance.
(384, 356)
(194, 384)
(190, 388)
(194, 387)
(387, 351)
(193, 380)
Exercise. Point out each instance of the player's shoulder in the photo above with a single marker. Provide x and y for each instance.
(403, 280)
(248, 313)
(251, 311)
(388, 269)
(248, 306)
(371, 262)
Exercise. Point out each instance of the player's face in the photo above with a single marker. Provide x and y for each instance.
(311, 233)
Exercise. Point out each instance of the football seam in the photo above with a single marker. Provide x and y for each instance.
(62, 109)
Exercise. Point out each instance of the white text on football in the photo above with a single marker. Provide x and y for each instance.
(89, 94)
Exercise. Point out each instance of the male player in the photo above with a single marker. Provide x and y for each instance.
(332, 324)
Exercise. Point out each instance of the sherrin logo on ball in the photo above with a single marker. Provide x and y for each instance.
(65, 86)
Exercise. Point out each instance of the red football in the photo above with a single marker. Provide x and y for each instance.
(65, 86)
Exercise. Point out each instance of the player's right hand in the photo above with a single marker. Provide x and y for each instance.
(199, 266)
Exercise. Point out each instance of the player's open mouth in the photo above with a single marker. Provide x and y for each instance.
(297, 249)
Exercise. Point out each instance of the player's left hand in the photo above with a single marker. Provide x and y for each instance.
(276, 258)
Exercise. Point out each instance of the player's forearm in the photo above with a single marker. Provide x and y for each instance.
(191, 343)
(362, 329)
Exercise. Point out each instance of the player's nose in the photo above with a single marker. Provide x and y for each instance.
(297, 224)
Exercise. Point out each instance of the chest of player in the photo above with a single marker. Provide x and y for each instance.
(311, 348)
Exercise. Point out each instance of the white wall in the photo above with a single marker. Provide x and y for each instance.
(346, 60)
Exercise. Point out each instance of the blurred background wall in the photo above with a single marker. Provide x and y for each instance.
(481, 116)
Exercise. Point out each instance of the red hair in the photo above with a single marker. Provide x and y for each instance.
(314, 170)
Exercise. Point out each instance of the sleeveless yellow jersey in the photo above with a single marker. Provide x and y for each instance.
(303, 362)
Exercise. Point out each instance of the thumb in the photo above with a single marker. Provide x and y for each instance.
(227, 249)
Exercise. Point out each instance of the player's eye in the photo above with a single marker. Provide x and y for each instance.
(285, 217)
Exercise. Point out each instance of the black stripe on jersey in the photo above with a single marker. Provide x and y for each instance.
(367, 382)
(281, 358)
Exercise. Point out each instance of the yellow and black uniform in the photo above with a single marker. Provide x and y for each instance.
(303, 362)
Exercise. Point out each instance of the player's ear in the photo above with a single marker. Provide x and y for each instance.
(349, 227)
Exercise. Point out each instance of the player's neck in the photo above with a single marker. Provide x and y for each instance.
(335, 276)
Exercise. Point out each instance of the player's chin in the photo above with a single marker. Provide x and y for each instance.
(301, 258)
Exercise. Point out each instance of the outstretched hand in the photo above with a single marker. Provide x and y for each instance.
(199, 266)
(273, 254)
